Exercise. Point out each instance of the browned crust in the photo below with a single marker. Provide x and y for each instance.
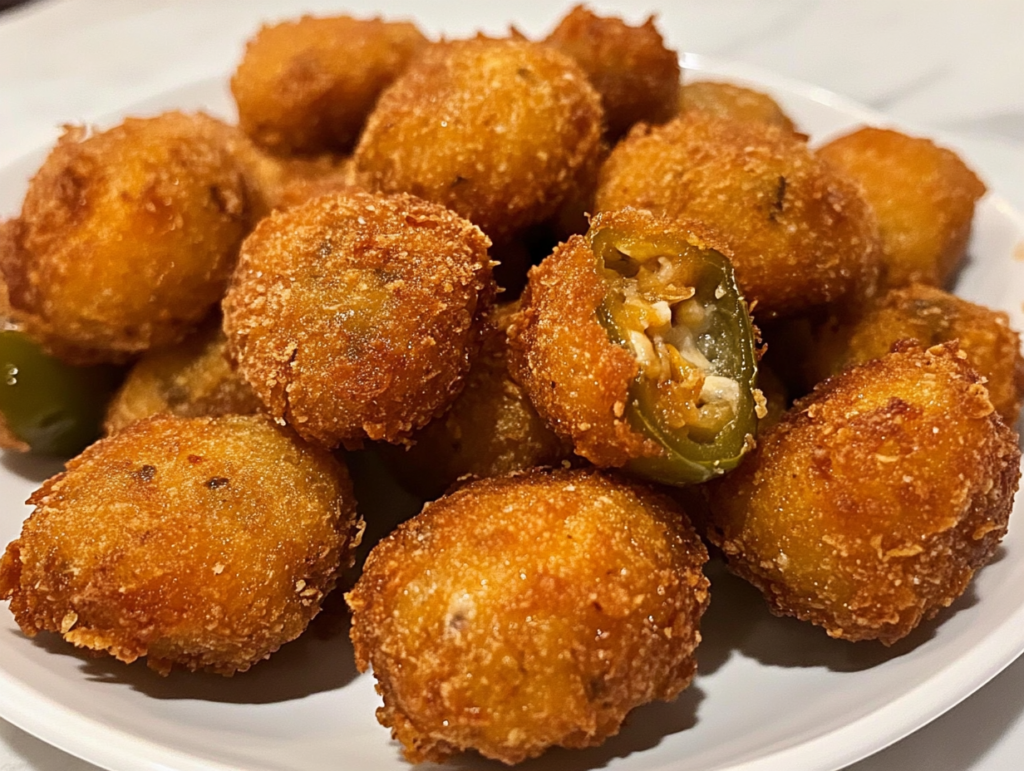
(629, 66)
(727, 100)
(195, 378)
(923, 196)
(800, 235)
(496, 130)
(203, 543)
(492, 428)
(577, 379)
(871, 505)
(529, 611)
(356, 316)
(126, 237)
(932, 316)
(308, 85)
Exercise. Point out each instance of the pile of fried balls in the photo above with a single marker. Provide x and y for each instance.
(597, 319)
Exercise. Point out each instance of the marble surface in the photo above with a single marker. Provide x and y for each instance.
(948, 67)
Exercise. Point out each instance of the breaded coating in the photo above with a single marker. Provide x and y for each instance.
(204, 543)
(192, 379)
(732, 102)
(301, 183)
(277, 183)
(575, 376)
(126, 238)
(932, 316)
(635, 74)
(357, 316)
(874, 501)
(307, 86)
(525, 612)
(496, 130)
(800, 235)
(490, 430)
(923, 196)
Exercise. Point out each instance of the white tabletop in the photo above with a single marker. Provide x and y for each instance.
(946, 66)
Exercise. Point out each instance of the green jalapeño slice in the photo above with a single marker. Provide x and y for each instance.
(674, 304)
(47, 406)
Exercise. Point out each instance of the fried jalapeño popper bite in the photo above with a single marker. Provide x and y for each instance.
(498, 131)
(869, 507)
(630, 67)
(923, 197)
(307, 86)
(799, 234)
(634, 343)
(930, 316)
(727, 100)
(356, 316)
(205, 543)
(529, 611)
(126, 237)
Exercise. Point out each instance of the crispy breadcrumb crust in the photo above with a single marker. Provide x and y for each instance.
(204, 543)
(529, 611)
(496, 130)
(492, 429)
(193, 379)
(576, 378)
(630, 67)
(923, 196)
(932, 316)
(126, 237)
(800, 235)
(356, 316)
(307, 86)
(871, 505)
(727, 100)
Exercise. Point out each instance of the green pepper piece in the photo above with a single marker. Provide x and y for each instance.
(724, 342)
(54, 408)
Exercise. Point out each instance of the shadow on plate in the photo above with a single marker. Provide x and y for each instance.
(738, 621)
(318, 661)
(645, 728)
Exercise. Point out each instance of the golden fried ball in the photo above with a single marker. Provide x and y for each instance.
(932, 316)
(205, 543)
(633, 343)
(192, 379)
(496, 130)
(307, 86)
(635, 74)
(127, 237)
(800, 235)
(356, 316)
(732, 102)
(524, 612)
(871, 505)
(923, 197)
(490, 430)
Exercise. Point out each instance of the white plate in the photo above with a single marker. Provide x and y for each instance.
(772, 694)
